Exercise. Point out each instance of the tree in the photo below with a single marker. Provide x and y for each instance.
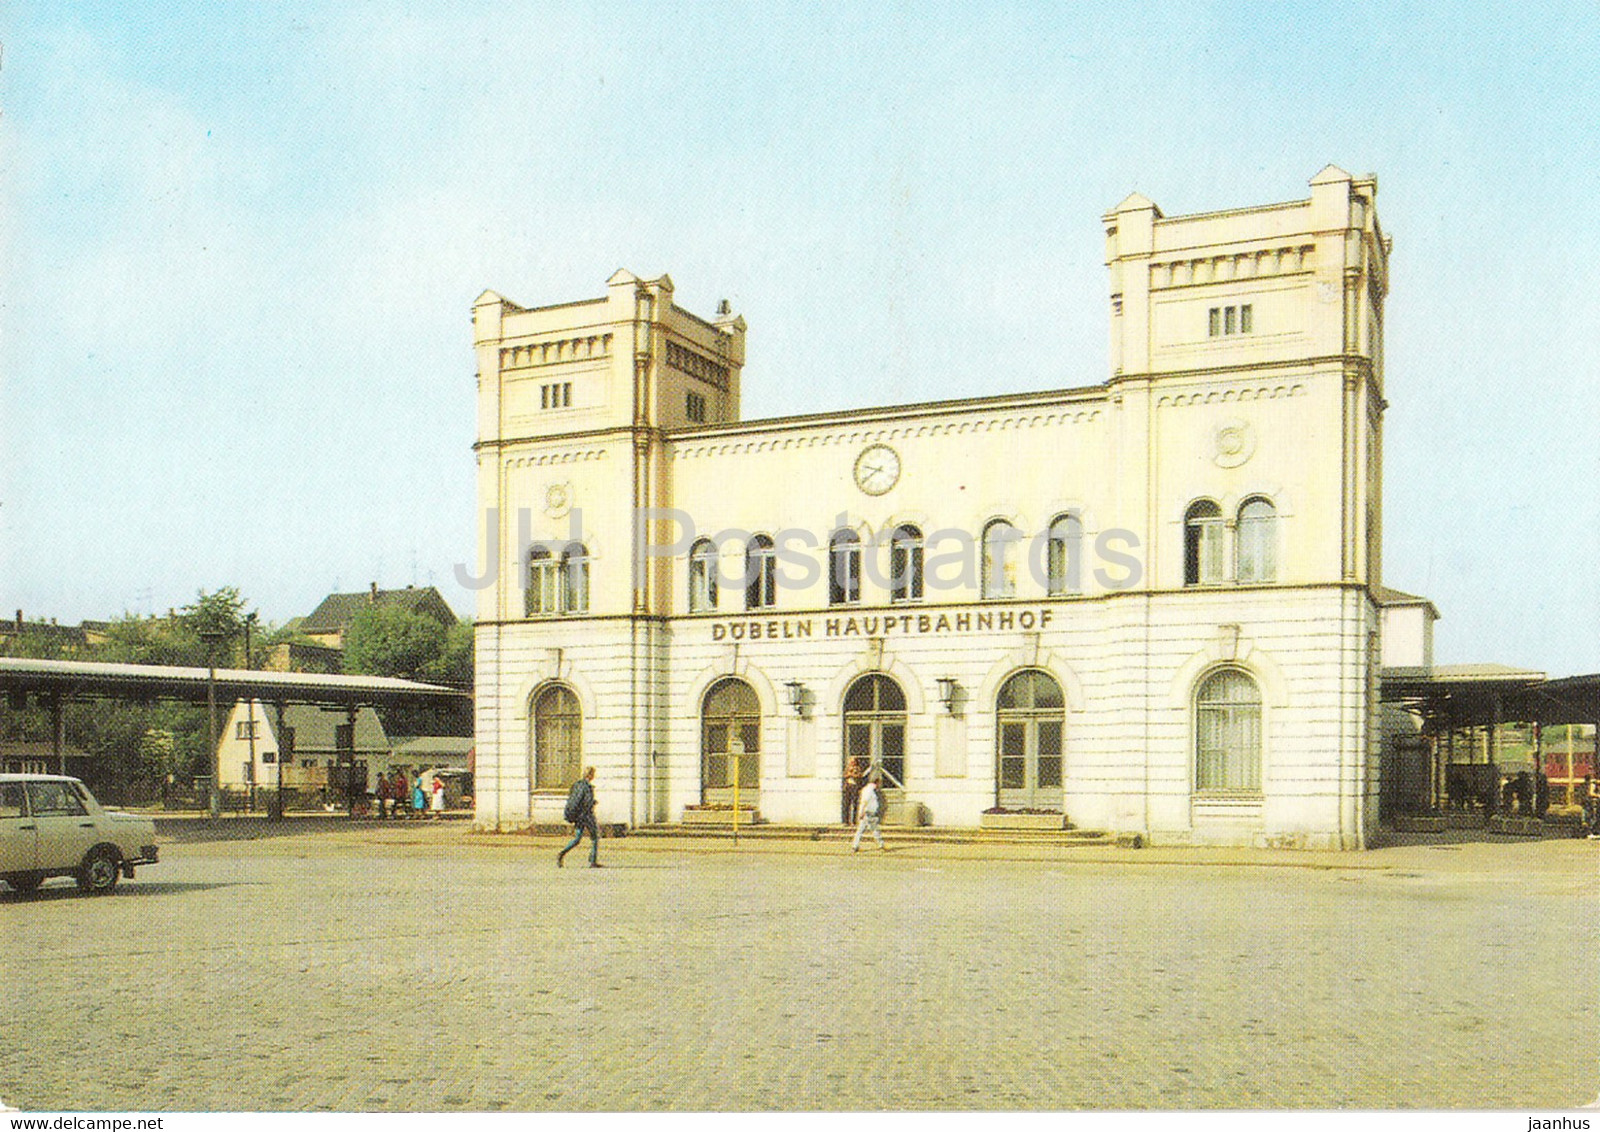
(388, 640)
(454, 665)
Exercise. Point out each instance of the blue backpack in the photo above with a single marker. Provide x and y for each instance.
(574, 812)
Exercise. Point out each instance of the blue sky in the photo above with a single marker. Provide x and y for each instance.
(241, 244)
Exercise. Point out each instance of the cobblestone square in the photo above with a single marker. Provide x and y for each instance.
(422, 967)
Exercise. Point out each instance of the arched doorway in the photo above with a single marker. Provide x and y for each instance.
(557, 722)
(875, 731)
(730, 724)
(1031, 716)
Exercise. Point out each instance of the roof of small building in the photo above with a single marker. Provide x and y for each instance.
(458, 745)
(1386, 597)
(316, 728)
(337, 611)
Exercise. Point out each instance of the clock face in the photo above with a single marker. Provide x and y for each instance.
(877, 469)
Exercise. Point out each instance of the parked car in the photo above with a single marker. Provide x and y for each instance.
(51, 826)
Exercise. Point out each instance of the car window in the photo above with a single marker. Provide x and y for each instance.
(54, 799)
(11, 800)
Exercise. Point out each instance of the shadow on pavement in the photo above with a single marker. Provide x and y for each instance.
(190, 830)
(69, 891)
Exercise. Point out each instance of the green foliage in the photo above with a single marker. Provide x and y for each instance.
(387, 640)
(455, 663)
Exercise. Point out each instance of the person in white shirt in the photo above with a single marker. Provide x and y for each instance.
(871, 806)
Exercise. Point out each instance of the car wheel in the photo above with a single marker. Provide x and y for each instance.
(99, 872)
(24, 882)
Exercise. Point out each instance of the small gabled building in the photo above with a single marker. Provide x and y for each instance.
(331, 620)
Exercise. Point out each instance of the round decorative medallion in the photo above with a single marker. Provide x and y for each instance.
(557, 499)
(1234, 442)
(877, 469)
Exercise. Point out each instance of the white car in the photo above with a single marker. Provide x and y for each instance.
(51, 826)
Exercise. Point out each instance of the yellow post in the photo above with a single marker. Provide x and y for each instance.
(1571, 785)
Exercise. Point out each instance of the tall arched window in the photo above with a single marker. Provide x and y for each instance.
(1228, 733)
(844, 567)
(1258, 541)
(1202, 543)
(730, 724)
(703, 576)
(557, 739)
(543, 595)
(1031, 715)
(575, 578)
(1064, 568)
(760, 574)
(905, 563)
(875, 727)
(1000, 559)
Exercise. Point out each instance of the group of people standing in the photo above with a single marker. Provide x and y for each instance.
(399, 798)
(863, 802)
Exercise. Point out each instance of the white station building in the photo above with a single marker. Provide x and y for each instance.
(1151, 606)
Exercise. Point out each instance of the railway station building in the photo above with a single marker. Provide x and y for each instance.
(1151, 606)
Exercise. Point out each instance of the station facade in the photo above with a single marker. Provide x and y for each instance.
(1148, 605)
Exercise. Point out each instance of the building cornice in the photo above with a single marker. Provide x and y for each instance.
(900, 609)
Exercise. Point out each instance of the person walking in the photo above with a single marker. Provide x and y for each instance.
(383, 797)
(419, 800)
(437, 802)
(580, 812)
(871, 814)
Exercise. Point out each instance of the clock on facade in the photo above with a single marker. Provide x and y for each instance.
(877, 469)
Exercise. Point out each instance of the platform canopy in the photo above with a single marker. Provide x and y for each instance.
(72, 679)
(1480, 695)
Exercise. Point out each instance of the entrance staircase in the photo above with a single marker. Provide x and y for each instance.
(892, 834)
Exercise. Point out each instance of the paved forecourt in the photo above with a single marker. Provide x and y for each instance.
(416, 967)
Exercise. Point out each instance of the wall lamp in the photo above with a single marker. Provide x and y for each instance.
(947, 693)
(797, 696)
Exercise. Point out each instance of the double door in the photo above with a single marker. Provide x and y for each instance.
(1030, 763)
(879, 742)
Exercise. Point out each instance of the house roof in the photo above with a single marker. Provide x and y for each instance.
(337, 611)
(316, 728)
(1385, 596)
(428, 746)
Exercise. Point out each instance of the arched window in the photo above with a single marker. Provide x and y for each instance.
(760, 574)
(575, 578)
(1031, 715)
(1064, 568)
(730, 724)
(875, 727)
(1228, 733)
(1202, 543)
(844, 567)
(557, 739)
(1258, 541)
(905, 563)
(703, 576)
(543, 595)
(999, 559)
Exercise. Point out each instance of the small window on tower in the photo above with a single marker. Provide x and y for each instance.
(1230, 320)
(1215, 320)
(696, 407)
(1246, 319)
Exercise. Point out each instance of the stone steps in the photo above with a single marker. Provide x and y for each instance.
(900, 835)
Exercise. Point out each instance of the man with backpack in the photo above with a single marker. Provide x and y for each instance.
(580, 812)
(871, 803)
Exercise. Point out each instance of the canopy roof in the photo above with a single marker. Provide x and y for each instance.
(1475, 695)
(169, 682)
